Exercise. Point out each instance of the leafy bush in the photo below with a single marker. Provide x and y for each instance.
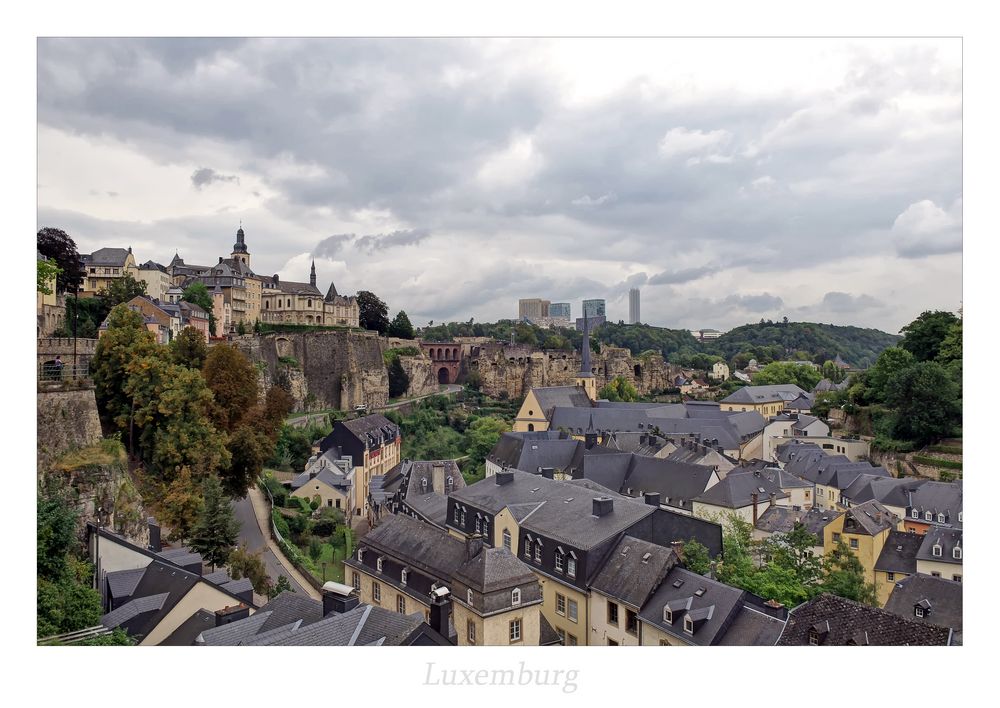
(289, 361)
(936, 462)
(324, 527)
(887, 444)
(946, 449)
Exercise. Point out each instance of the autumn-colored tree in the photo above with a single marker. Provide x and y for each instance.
(187, 436)
(277, 404)
(189, 349)
(180, 506)
(244, 564)
(125, 340)
(233, 380)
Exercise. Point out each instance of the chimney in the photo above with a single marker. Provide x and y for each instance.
(228, 615)
(275, 278)
(771, 498)
(548, 472)
(652, 498)
(154, 535)
(220, 259)
(312, 474)
(678, 548)
(504, 477)
(603, 506)
(473, 546)
(338, 598)
(753, 498)
(441, 611)
(589, 440)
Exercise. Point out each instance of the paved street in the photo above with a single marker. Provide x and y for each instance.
(251, 535)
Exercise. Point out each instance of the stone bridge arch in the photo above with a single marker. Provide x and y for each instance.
(446, 360)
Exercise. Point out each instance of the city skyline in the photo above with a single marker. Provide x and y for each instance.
(814, 179)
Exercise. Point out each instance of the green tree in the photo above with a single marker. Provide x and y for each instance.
(845, 576)
(696, 558)
(926, 400)
(889, 363)
(125, 340)
(399, 381)
(925, 335)
(619, 389)
(805, 377)
(56, 530)
(372, 312)
(244, 564)
(315, 549)
(118, 638)
(249, 449)
(197, 294)
(121, 290)
(47, 273)
(59, 248)
(401, 326)
(481, 437)
(67, 604)
(181, 504)
(215, 533)
(189, 348)
(233, 381)
(279, 587)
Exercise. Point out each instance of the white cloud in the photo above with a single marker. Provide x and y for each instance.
(681, 141)
(925, 229)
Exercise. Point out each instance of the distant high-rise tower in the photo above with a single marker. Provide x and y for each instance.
(633, 306)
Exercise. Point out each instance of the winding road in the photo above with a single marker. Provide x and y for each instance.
(251, 535)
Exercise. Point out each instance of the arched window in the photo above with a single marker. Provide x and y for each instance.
(957, 553)
(468, 596)
(515, 596)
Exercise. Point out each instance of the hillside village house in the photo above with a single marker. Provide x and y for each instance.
(864, 529)
(104, 266)
(746, 493)
(720, 371)
(897, 561)
(828, 620)
(50, 308)
(328, 477)
(929, 600)
(769, 401)
(372, 443)
(302, 303)
(786, 426)
(156, 278)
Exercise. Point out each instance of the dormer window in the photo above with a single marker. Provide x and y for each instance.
(402, 576)
(457, 517)
(918, 611)
(423, 484)
(936, 550)
(378, 565)
(668, 615)
(688, 625)
(571, 567)
(915, 514)
(527, 547)
(928, 516)
(959, 517)
(940, 518)
(560, 561)
(506, 539)
(479, 524)
(468, 596)
(515, 596)
(956, 553)
(449, 484)
(361, 554)
(486, 526)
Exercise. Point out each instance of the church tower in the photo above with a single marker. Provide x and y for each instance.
(585, 378)
(240, 252)
(312, 275)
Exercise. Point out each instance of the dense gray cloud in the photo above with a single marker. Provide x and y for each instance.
(844, 302)
(526, 168)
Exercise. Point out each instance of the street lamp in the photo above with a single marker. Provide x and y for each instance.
(324, 571)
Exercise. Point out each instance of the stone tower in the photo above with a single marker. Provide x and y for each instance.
(240, 252)
(312, 275)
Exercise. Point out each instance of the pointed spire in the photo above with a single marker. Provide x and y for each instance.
(331, 293)
(312, 274)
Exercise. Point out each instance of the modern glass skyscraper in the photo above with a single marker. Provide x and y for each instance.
(594, 308)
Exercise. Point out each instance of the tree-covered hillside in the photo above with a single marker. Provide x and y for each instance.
(801, 340)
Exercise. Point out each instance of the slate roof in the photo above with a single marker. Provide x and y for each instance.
(832, 471)
(122, 583)
(550, 397)
(717, 605)
(141, 608)
(362, 626)
(937, 498)
(364, 425)
(234, 633)
(290, 607)
(494, 569)
(940, 599)
(948, 539)
(887, 490)
(290, 287)
(781, 519)
(870, 518)
(899, 554)
(752, 628)
(188, 631)
(765, 394)
(793, 449)
(736, 490)
(106, 257)
(423, 546)
(846, 621)
(564, 508)
(152, 265)
(330, 476)
(633, 570)
(431, 501)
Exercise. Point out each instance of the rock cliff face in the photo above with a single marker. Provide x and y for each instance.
(421, 373)
(510, 370)
(67, 419)
(321, 369)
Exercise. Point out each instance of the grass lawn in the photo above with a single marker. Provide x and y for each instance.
(333, 556)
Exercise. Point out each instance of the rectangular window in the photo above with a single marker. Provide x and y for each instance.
(560, 604)
(631, 623)
(571, 640)
(562, 635)
(935, 574)
(890, 576)
(356, 581)
(957, 578)
(836, 538)
(571, 567)
(613, 613)
(515, 630)
(506, 539)
(854, 543)
(559, 561)
(538, 553)
(471, 631)
(527, 548)
(571, 610)
(400, 604)
(376, 592)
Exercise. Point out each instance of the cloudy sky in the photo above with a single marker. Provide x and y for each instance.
(729, 179)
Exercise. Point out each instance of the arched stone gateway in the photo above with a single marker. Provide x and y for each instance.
(443, 375)
(446, 360)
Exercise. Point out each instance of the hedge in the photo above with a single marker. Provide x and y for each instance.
(946, 449)
(935, 462)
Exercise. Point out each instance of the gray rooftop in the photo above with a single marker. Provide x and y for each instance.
(633, 570)
(737, 489)
(940, 600)
(948, 540)
(899, 554)
(691, 594)
(765, 394)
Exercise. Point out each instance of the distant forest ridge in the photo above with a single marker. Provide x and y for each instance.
(765, 342)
